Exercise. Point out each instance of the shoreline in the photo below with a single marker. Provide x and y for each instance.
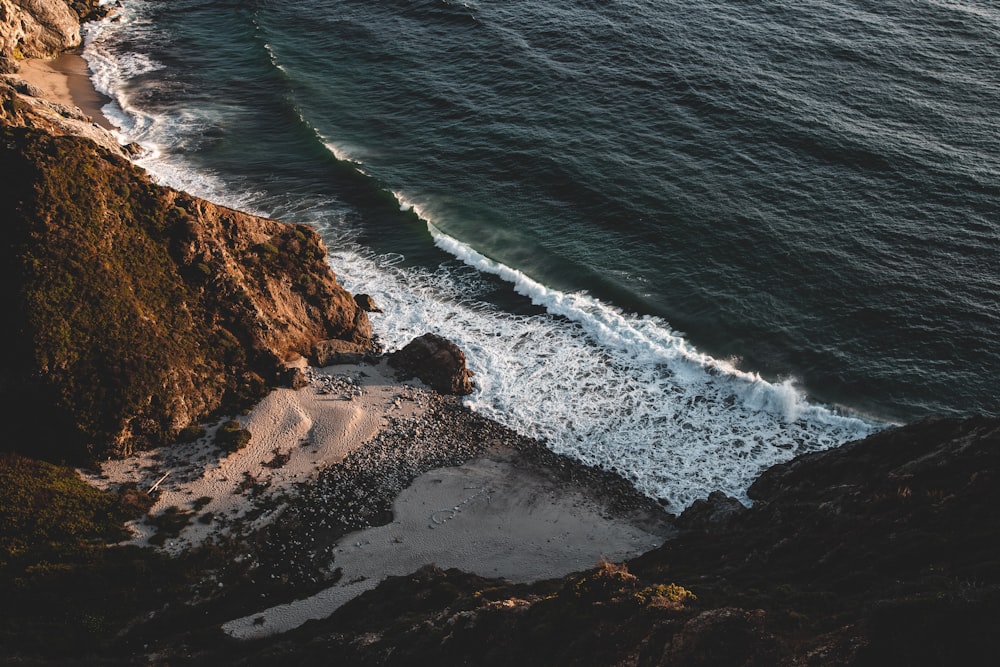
(357, 457)
(65, 79)
(357, 477)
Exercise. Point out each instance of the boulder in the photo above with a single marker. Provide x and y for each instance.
(293, 377)
(437, 362)
(366, 303)
(37, 28)
(711, 514)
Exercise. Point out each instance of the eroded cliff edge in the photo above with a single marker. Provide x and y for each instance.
(135, 310)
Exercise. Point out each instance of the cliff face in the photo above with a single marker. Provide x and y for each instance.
(40, 28)
(134, 310)
(23, 105)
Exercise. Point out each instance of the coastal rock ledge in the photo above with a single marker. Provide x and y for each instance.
(39, 28)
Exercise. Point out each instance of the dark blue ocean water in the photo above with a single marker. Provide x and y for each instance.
(682, 239)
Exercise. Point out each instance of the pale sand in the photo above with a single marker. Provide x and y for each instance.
(487, 517)
(495, 516)
(66, 80)
(317, 426)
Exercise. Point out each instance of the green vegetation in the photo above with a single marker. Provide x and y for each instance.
(191, 433)
(54, 566)
(47, 510)
(232, 437)
(267, 249)
(108, 281)
(665, 596)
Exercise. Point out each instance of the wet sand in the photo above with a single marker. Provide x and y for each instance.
(66, 80)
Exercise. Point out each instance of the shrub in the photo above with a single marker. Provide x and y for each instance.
(665, 596)
(133, 502)
(605, 584)
(168, 524)
(232, 437)
(45, 507)
(191, 433)
(266, 248)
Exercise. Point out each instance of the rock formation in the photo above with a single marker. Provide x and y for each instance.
(332, 352)
(437, 362)
(367, 303)
(37, 29)
(23, 105)
(134, 310)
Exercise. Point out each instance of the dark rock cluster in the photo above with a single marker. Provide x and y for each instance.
(436, 361)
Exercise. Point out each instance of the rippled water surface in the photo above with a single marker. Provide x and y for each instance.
(682, 239)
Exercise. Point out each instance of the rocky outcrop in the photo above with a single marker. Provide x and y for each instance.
(40, 28)
(437, 362)
(883, 551)
(43, 29)
(333, 352)
(133, 310)
(367, 303)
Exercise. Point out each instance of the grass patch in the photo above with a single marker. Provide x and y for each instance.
(232, 437)
(47, 509)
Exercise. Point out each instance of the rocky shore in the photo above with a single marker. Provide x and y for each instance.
(276, 490)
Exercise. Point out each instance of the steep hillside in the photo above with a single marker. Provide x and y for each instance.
(134, 310)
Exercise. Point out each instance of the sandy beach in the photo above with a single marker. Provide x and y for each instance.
(66, 80)
(369, 477)
(358, 476)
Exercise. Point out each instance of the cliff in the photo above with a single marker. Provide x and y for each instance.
(21, 105)
(134, 310)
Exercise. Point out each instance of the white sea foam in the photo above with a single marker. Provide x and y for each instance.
(612, 389)
(615, 390)
(161, 136)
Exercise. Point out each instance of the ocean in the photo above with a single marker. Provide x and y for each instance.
(682, 240)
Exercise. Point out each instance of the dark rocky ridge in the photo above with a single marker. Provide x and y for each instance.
(885, 551)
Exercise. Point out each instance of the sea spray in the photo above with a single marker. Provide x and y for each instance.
(619, 391)
(606, 386)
